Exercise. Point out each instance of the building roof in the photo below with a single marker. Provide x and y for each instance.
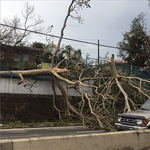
(20, 49)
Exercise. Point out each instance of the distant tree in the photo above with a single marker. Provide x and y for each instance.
(48, 52)
(74, 56)
(38, 45)
(14, 37)
(74, 62)
(135, 46)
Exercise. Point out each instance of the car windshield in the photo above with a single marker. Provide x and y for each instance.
(146, 105)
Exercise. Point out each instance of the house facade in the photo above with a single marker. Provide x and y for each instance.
(20, 58)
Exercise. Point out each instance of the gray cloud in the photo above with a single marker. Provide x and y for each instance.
(106, 20)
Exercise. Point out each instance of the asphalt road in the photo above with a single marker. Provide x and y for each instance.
(44, 131)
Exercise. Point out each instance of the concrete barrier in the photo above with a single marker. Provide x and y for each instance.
(126, 140)
(10, 86)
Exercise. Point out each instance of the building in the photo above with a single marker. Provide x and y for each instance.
(20, 58)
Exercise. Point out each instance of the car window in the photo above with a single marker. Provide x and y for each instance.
(146, 105)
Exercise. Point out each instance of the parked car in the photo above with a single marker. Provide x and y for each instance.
(139, 119)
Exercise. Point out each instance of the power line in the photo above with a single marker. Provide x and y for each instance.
(70, 39)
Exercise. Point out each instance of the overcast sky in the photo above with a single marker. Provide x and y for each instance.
(106, 20)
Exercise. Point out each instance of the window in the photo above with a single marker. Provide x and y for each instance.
(25, 57)
(16, 57)
(1, 55)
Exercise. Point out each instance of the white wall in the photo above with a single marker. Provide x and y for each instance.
(8, 85)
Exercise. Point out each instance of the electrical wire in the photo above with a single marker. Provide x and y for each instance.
(65, 38)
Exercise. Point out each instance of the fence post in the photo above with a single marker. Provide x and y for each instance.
(135, 71)
(19, 61)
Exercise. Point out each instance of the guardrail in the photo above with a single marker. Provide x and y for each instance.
(127, 140)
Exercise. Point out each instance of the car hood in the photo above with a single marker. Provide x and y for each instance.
(136, 114)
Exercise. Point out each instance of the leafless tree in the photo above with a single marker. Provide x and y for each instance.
(12, 36)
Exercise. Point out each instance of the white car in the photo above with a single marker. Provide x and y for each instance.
(139, 119)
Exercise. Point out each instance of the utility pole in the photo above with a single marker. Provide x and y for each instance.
(69, 49)
(98, 52)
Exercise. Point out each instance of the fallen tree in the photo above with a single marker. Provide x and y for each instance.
(111, 92)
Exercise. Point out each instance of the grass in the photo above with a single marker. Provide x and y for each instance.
(19, 124)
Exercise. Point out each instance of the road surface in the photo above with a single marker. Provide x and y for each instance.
(44, 131)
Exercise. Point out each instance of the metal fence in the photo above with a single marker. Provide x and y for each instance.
(133, 71)
(123, 69)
